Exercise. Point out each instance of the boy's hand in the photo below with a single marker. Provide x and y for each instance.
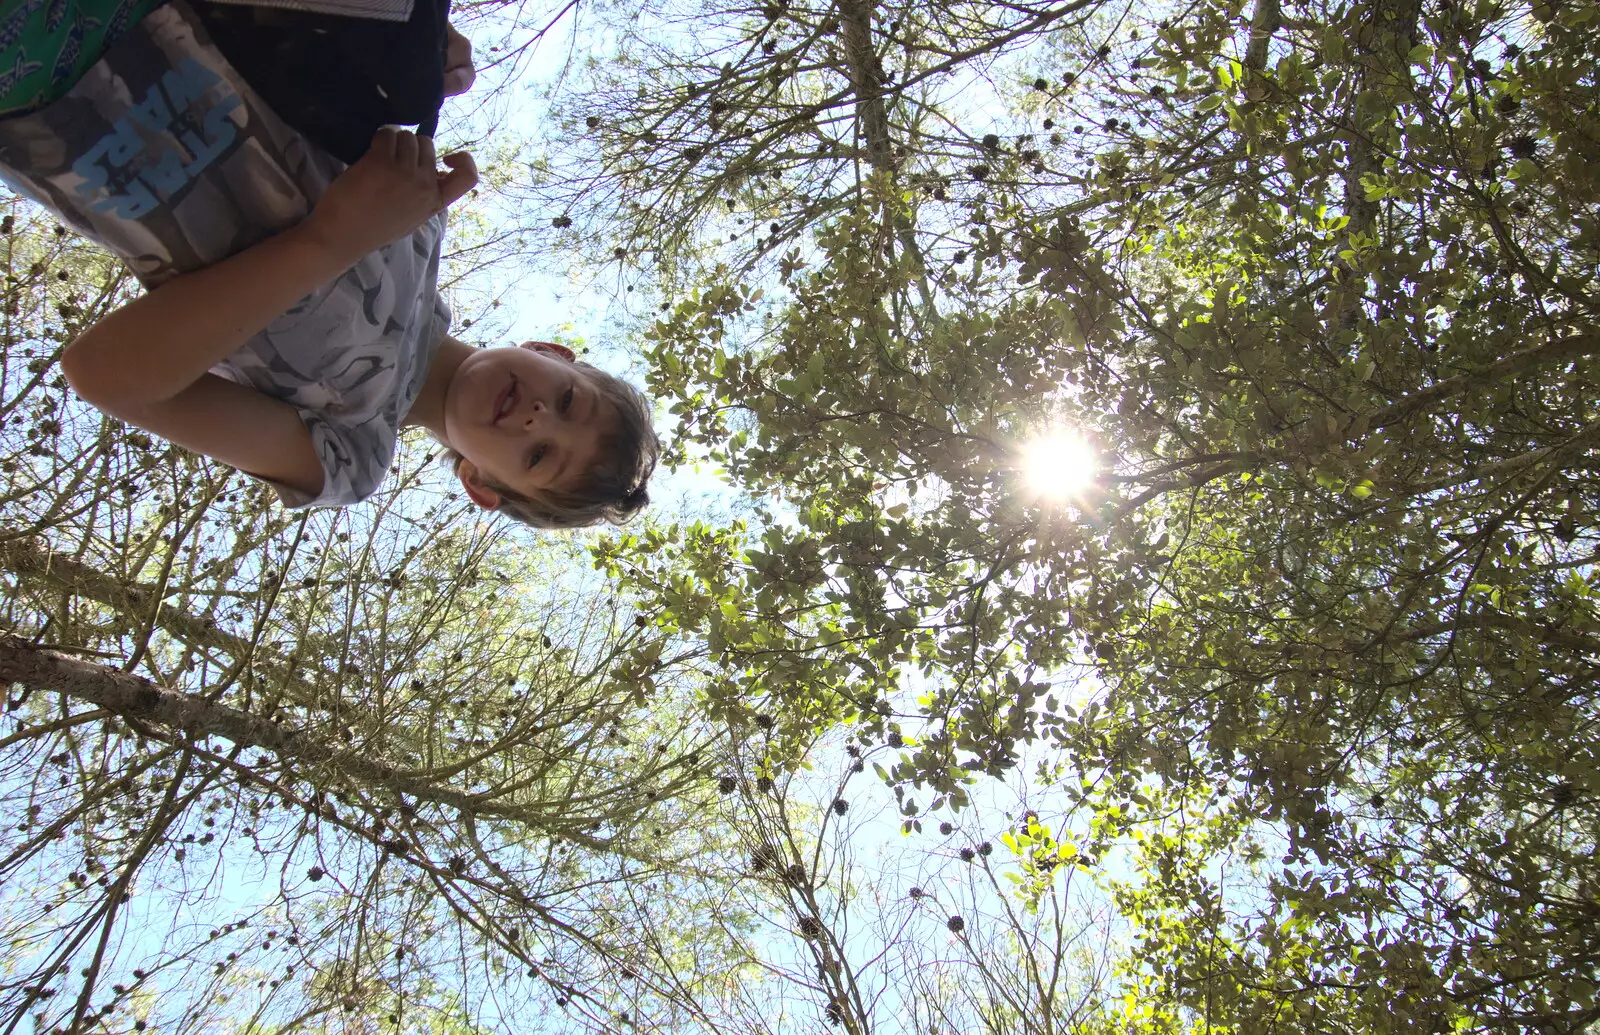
(395, 188)
(458, 71)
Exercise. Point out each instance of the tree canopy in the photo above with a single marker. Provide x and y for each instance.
(1294, 690)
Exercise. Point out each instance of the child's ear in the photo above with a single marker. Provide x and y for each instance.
(551, 348)
(477, 490)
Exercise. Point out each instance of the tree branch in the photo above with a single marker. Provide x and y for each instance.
(140, 699)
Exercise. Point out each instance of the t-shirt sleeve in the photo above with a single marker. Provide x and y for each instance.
(354, 462)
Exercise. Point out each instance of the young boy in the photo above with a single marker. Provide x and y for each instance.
(291, 340)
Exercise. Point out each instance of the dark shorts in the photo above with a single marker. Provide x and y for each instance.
(337, 79)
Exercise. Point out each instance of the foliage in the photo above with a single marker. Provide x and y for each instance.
(1318, 281)
(1302, 680)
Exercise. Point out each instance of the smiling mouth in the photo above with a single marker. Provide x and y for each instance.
(505, 401)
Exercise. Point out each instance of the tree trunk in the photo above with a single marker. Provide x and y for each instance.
(866, 81)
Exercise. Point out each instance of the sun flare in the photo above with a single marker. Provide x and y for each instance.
(1060, 465)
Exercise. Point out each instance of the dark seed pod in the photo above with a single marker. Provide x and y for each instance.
(727, 785)
(956, 924)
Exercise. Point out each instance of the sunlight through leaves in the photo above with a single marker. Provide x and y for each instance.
(1059, 466)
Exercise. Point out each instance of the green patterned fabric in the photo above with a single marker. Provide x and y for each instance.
(47, 45)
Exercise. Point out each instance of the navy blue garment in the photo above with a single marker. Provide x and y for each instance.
(336, 79)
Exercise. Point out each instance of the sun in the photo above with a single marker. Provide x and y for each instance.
(1059, 465)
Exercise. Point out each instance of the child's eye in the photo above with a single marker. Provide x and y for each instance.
(535, 456)
(566, 400)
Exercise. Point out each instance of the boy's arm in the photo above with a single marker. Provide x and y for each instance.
(147, 361)
(157, 345)
(160, 343)
(237, 425)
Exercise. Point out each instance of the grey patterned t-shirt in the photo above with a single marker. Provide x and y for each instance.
(166, 156)
(351, 358)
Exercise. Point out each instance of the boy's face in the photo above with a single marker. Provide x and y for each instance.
(523, 417)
